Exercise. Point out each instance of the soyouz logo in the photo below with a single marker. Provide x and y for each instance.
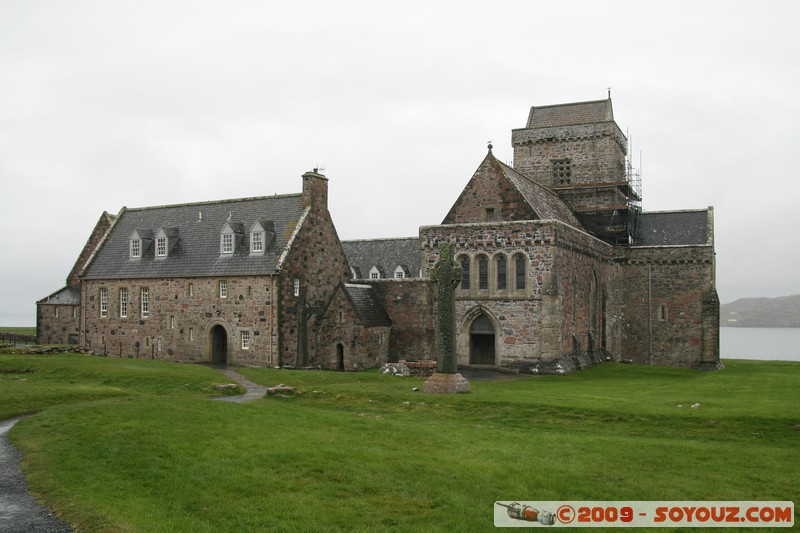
(643, 514)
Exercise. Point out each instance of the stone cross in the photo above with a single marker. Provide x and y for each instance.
(303, 311)
(447, 275)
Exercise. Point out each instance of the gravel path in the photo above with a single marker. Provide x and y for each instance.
(19, 511)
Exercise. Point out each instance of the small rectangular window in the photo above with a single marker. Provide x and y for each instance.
(223, 289)
(103, 302)
(123, 302)
(56, 308)
(297, 286)
(136, 248)
(161, 247)
(227, 243)
(501, 273)
(171, 322)
(245, 340)
(191, 334)
(75, 311)
(158, 344)
(190, 290)
(257, 241)
(145, 302)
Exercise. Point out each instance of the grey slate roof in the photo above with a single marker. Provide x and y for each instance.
(547, 204)
(383, 253)
(570, 114)
(66, 296)
(672, 228)
(366, 303)
(197, 252)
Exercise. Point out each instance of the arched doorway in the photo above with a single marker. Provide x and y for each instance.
(481, 341)
(339, 356)
(219, 345)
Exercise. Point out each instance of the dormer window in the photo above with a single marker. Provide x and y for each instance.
(166, 239)
(140, 241)
(400, 272)
(262, 232)
(376, 272)
(230, 238)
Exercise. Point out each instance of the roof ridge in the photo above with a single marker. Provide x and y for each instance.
(213, 202)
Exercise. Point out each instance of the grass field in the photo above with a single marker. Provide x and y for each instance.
(134, 445)
(19, 331)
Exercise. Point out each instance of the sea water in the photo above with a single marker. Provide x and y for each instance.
(765, 344)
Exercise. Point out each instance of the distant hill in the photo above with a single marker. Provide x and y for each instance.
(783, 312)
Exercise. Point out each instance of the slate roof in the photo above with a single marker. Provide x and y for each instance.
(66, 296)
(547, 204)
(383, 253)
(197, 252)
(672, 228)
(366, 303)
(570, 114)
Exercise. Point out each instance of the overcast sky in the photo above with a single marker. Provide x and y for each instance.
(105, 104)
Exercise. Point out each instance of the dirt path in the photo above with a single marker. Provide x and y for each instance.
(19, 511)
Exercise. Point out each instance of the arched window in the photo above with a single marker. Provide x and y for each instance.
(502, 273)
(519, 271)
(464, 272)
(483, 273)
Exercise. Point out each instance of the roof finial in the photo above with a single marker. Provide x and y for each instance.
(490, 146)
(609, 93)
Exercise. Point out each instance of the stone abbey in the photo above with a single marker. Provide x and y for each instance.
(559, 269)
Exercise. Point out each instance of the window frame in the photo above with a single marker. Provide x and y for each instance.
(223, 288)
(226, 243)
(161, 247)
(103, 302)
(245, 336)
(257, 238)
(123, 302)
(483, 272)
(136, 249)
(144, 302)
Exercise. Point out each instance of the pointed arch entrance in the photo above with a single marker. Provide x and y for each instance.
(219, 345)
(482, 341)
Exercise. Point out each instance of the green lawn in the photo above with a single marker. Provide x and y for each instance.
(19, 330)
(134, 445)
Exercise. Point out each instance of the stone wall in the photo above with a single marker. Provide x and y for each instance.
(98, 233)
(57, 324)
(671, 313)
(560, 311)
(410, 303)
(317, 260)
(182, 313)
(597, 152)
(345, 344)
(489, 189)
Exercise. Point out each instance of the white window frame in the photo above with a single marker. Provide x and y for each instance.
(296, 286)
(257, 241)
(145, 302)
(136, 248)
(399, 273)
(103, 302)
(245, 339)
(123, 302)
(161, 247)
(223, 288)
(227, 243)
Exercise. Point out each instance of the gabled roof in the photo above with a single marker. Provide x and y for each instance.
(570, 114)
(388, 253)
(673, 228)
(197, 252)
(367, 305)
(545, 203)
